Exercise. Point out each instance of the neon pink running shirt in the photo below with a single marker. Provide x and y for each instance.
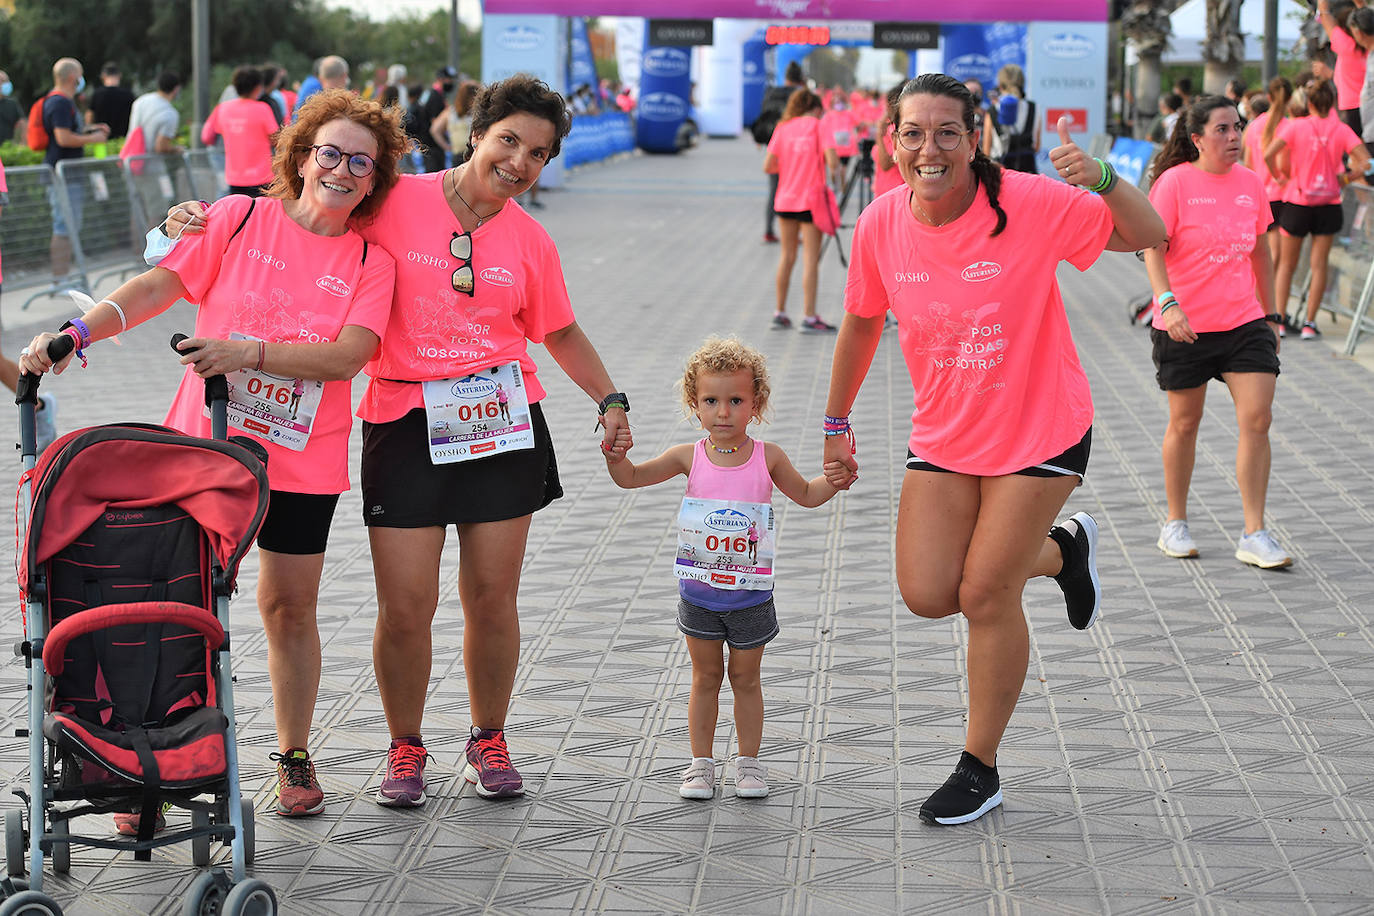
(1212, 222)
(838, 127)
(998, 386)
(436, 332)
(1315, 147)
(247, 126)
(283, 284)
(800, 144)
(4, 186)
(885, 180)
(1349, 69)
(1254, 143)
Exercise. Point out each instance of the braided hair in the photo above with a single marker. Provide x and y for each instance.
(985, 171)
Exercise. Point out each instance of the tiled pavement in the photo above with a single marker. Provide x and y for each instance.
(1206, 748)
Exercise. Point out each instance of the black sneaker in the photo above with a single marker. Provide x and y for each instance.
(971, 791)
(1077, 540)
(781, 322)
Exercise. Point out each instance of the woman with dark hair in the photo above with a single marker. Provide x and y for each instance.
(247, 127)
(477, 280)
(966, 260)
(1348, 74)
(802, 155)
(1259, 133)
(1213, 285)
(310, 314)
(1312, 178)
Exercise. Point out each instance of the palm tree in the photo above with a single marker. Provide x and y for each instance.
(1223, 51)
(1145, 24)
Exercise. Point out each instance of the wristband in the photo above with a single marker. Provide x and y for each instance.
(123, 322)
(1166, 296)
(1274, 318)
(1166, 306)
(1107, 180)
(75, 335)
(262, 355)
(614, 399)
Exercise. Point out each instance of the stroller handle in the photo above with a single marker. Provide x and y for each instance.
(216, 396)
(27, 391)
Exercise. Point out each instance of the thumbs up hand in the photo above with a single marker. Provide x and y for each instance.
(1072, 164)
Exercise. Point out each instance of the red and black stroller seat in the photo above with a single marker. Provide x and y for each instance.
(133, 544)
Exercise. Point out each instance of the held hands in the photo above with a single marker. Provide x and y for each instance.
(1073, 165)
(210, 356)
(838, 464)
(616, 439)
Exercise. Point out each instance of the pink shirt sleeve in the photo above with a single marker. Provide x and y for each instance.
(210, 131)
(547, 307)
(864, 292)
(196, 259)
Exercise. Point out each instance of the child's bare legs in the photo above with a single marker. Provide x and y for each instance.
(748, 691)
(703, 707)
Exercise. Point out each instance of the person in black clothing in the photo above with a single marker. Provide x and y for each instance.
(10, 112)
(422, 113)
(110, 103)
(770, 112)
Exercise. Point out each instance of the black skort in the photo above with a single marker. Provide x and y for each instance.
(402, 488)
(1072, 462)
(1300, 221)
(1248, 348)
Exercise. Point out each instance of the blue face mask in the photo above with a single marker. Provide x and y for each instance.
(6, 88)
(157, 246)
(80, 85)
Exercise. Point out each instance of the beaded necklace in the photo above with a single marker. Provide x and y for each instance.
(723, 451)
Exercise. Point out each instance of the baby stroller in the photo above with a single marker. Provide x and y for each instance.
(131, 538)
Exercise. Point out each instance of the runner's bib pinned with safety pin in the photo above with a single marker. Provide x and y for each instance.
(280, 410)
(478, 415)
(726, 543)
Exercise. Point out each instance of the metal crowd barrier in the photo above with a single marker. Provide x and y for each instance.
(158, 181)
(1352, 266)
(105, 223)
(26, 228)
(205, 173)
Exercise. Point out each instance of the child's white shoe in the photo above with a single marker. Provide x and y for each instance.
(751, 778)
(699, 779)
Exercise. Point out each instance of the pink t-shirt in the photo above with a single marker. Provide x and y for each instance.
(885, 180)
(247, 126)
(799, 144)
(1212, 222)
(838, 126)
(1315, 147)
(281, 283)
(1350, 60)
(998, 386)
(4, 186)
(436, 332)
(1254, 144)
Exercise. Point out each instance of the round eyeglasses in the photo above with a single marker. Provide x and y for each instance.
(913, 139)
(360, 165)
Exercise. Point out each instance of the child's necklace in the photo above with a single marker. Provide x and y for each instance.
(723, 451)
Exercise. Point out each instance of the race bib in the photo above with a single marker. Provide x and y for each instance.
(725, 543)
(280, 410)
(478, 415)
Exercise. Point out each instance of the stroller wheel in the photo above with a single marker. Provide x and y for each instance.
(250, 898)
(246, 807)
(200, 845)
(30, 903)
(61, 852)
(15, 847)
(207, 893)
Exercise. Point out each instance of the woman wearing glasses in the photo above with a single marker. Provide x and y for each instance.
(966, 261)
(287, 289)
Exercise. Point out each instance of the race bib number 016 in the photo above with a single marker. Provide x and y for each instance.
(727, 544)
(280, 410)
(478, 415)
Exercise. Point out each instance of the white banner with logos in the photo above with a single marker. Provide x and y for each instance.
(1066, 75)
(537, 45)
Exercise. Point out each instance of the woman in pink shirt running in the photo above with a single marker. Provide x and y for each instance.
(801, 155)
(966, 260)
(1213, 287)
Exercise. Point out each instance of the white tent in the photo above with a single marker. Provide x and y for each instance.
(1189, 22)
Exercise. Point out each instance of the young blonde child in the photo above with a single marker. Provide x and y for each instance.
(725, 570)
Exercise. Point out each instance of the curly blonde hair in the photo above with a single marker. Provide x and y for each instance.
(725, 356)
(293, 144)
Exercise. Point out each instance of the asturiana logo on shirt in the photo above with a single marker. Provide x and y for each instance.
(474, 388)
(981, 270)
(727, 520)
(498, 276)
(334, 286)
(1244, 201)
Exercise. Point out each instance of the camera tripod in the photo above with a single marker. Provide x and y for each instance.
(860, 179)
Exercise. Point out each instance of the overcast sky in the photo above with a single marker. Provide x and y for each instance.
(470, 11)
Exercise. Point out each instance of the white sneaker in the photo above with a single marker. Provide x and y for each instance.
(751, 778)
(45, 421)
(1260, 549)
(1175, 540)
(699, 779)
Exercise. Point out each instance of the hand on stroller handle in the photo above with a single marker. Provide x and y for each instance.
(59, 347)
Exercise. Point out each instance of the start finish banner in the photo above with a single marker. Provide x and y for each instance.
(873, 10)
